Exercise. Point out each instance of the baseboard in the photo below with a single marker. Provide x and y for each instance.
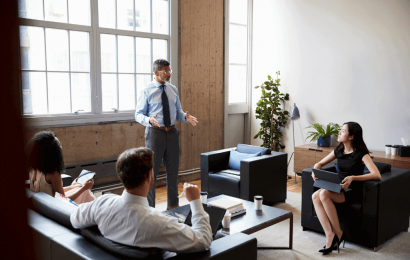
(185, 176)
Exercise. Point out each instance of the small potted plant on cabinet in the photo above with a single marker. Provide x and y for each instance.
(321, 135)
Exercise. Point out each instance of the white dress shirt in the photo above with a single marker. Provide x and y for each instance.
(150, 104)
(129, 220)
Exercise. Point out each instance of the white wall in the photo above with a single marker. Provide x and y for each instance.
(340, 60)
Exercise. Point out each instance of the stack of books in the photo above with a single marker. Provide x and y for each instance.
(233, 206)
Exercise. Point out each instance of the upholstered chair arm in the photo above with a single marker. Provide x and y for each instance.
(212, 162)
(386, 204)
(264, 173)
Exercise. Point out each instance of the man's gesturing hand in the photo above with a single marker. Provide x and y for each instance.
(153, 121)
(193, 120)
(191, 192)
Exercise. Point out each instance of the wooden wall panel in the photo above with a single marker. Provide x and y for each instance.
(201, 77)
(95, 142)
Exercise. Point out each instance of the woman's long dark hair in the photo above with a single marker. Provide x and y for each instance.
(44, 153)
(358, 144)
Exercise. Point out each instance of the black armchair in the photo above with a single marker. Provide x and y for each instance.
(264, 175)
(383, 213)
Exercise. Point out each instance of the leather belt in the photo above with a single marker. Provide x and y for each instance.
(164, 128)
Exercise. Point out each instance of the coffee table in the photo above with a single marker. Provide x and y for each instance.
(250, 222)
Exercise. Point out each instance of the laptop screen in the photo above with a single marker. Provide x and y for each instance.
(215, 217)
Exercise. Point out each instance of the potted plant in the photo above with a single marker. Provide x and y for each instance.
(270, 109)
(321, 135)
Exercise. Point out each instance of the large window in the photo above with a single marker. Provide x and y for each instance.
(88, 59)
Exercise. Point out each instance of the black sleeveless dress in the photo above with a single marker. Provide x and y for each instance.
(351, 164)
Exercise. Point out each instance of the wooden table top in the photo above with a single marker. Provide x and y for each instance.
(374, 153)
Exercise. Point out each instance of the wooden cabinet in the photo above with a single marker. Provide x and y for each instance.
(307, 155)
(304, 157)
(402, 164)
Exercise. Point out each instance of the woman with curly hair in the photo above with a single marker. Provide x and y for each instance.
(45, 163)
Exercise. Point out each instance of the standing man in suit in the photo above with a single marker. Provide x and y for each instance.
(159, 108)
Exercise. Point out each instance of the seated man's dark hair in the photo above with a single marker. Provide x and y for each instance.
(44, 153)
(134, 166)
(159, 64)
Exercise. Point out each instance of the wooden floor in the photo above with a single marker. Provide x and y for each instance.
(161, 192)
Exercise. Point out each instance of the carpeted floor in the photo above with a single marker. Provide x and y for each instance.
(307, 243)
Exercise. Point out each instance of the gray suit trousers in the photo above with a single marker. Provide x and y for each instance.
(165, 145)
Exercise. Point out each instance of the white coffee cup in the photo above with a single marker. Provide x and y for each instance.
(204, 197)
(394, 150)
(226, 221)
(388, 148)
(258, 202)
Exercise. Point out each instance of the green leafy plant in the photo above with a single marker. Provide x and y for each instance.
(273, 116)
(331, 129)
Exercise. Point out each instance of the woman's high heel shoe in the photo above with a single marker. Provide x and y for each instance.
(335, 243)
(342, 238)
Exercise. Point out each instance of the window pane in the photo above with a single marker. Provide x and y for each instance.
(58, 93)
(142, 15)
(55, 10)
(106, 13)
(237, 84)
(57, 49)
(32, 49)
(126, 92)
(159, 49)
(160, 17)
(143, 55)
(125, 18)
(79, 51)
(142, 82)
(80, 92)
(108, 53)
(32, 9)
(238, 11)
(34, 92)
(125, 54)
(79, 11)
(237, 44)
(109, 91)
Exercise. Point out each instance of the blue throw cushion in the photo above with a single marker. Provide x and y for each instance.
(235, 158)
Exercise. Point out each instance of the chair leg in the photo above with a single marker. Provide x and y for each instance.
(295, 178)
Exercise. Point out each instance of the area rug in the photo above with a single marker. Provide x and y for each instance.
(307, 243)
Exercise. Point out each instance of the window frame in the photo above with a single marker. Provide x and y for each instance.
(242, 107)
(97, 115)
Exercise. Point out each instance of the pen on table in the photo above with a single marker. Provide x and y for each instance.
(182, 194)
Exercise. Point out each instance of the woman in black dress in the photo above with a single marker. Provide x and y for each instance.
(352, 155)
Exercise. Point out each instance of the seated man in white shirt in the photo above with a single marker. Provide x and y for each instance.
(128, 219)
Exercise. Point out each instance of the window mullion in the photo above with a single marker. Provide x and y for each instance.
(69, 70)
(45, 57)
(95, 61)
(135, 66)
(44, 15)
(133, 13)
(118, 74)
(150, 3)
(68, 20)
